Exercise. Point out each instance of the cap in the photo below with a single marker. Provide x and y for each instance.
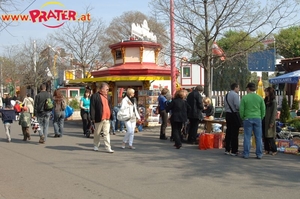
(250, 85)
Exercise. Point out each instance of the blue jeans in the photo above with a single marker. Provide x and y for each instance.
(58, 123)
(122, 124)
(252, 125)
(112, 124)
(43, 120)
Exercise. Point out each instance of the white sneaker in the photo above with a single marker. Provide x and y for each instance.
(110, 151)
(96, 148)
(123, 131)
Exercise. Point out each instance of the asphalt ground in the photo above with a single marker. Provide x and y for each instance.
(67, 167)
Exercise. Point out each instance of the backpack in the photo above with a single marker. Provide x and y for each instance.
(25, 119)
(48, 106)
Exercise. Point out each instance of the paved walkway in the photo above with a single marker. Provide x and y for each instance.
(66, 168)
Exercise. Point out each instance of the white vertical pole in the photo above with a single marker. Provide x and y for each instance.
(1, 79)
(34, 68)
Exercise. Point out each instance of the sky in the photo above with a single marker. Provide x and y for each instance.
(20, 32)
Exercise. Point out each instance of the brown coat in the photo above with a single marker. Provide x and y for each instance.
(270, 118)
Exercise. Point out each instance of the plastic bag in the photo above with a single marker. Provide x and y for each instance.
(206, 141)
(68, 111)
(218, 140)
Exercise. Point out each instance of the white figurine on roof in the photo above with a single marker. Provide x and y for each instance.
(142, 31)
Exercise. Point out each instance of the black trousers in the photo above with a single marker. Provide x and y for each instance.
(176, 132)
(164, 123)
(86, 120)
(232, 133)
(269, 144)
(193, 129)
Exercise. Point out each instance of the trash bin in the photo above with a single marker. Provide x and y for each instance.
(219, 112)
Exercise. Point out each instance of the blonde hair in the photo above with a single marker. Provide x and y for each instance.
(129, 91)
(207, 100)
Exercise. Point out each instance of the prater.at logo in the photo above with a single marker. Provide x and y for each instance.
(59, 15)
(48, 17)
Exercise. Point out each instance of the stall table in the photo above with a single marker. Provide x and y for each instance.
(209, 123)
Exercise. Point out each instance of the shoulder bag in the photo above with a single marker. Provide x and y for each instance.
(124, 114)
(238, 117)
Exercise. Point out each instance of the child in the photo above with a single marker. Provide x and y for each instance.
(140, 123)
(25, 121)
(17, 108)
(8, 115)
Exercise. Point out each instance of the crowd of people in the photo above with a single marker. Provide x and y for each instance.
(185, 111)
(252, 112)
(258, 115)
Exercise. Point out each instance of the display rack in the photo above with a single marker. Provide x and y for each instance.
(148, 99)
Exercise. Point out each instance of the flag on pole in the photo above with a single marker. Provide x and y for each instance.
(268, 41)
(216, 50)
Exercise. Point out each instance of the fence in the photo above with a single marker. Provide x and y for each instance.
(219, 96)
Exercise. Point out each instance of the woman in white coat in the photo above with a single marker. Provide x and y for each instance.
(129, 103)
(29, 103)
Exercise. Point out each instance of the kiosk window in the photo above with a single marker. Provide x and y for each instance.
(118, 54)
(186, 72)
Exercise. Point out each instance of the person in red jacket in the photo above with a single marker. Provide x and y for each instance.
(101, 114)
(17, 108)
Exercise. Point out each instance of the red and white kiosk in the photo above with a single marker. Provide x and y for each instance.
(135, 66)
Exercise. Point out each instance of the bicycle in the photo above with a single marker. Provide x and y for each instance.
(283, 131)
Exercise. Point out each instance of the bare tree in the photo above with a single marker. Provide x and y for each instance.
(120, 27)
(35, 62)
(201, 22)
(85, 41)
(6, 7)
(10, 73)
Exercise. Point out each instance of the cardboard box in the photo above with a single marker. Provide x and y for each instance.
(283, 143)
(296, 141)
(291, 150)
(218, 140)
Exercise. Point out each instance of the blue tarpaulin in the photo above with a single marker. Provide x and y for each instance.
(291, 78)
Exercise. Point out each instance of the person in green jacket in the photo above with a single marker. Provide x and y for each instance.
(252, 111)
(25, 122)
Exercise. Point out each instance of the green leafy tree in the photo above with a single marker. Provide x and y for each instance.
(285, 111)
(288, 42)
(295, 105)
(212, 18)
(233, 69)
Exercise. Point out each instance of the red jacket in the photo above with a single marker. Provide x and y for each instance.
(17, 108)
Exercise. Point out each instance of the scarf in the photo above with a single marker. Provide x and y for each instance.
(131, 99)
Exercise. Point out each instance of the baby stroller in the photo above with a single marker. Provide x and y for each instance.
(90, 130)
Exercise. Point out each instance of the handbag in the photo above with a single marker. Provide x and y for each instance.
(238, 117)
(124, 114)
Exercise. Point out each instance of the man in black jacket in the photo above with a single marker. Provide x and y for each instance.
(101, 114)
(194, 99)
(42, 115)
